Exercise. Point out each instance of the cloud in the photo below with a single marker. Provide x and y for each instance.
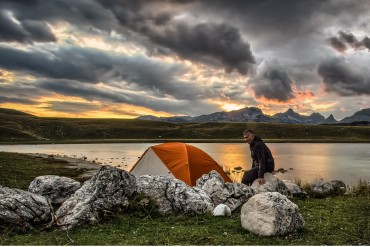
(215, 44)
(272, 82)
(344, 78)
(5, 99)
(347, 38)
(207, 41)
(94, 66)
(144, 99)
(71, 107)
(82, 13)
(25, 31)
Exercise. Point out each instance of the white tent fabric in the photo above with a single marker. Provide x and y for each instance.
(151, 164)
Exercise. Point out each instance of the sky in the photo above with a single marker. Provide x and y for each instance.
(129, 58)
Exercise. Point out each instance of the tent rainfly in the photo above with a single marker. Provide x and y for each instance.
(177, 160)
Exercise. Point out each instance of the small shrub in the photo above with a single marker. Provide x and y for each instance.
(362, 188)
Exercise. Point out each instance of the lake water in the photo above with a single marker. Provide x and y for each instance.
(307, 161)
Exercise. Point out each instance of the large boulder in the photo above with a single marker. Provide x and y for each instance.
(57, 189)
(23, 208)
(322, 189)
(105, 193)
(272, 184)
(173, 195)
(233, 195)
(294, 190)
(271, 213)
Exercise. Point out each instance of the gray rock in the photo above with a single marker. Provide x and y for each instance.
(233, 195)
(221, 210)
(272, 184)
(294, 190)
(238, 195)
(173, 195)
(322, 189)
(211, 176)
(213, 184)
(271, 213)
(23, 208)
(338, 186)
(105, 193)
(57, 189)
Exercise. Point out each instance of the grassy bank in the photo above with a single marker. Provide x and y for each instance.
(30, 129)
(18, 170)
(92, 141)
(341, 220)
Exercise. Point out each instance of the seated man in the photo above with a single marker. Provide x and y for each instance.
(262, 160)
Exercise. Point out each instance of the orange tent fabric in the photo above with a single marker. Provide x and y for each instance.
(184, 161)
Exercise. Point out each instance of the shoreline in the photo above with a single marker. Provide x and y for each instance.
(88, 168)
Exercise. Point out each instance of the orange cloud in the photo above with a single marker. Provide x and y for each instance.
(6, 76)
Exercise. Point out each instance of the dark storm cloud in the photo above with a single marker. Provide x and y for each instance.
(272, 82)
(201, 42)
(283, 18)
(5, 99)
(23, 31)
(216, 44)
(93, 66)
(89, 92)
(343, 78)
(219, 44)
(81, 13)
(69, 63)
(346, 38)
(337, 44)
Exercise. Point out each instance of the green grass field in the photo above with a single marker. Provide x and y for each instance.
(339, 220)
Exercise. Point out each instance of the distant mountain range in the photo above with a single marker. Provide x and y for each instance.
(248, 114)
(254, 114)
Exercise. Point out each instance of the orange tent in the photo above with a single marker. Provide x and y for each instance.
(179, 160)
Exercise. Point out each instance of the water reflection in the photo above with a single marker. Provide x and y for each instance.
(309, 161)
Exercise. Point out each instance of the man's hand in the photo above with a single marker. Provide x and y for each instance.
(261, 180)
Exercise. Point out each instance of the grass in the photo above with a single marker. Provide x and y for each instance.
(18, 170)
(339, 220)
(362, 188)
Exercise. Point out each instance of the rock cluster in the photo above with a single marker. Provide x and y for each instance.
(321, 188)
(173, 195)
(233, 195)
(265, 208)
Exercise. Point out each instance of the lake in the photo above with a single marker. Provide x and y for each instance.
(307, 161)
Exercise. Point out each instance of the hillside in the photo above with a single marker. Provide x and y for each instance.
(13, 112)
(23, 128)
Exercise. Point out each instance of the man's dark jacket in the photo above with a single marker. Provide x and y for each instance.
(261, 157)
